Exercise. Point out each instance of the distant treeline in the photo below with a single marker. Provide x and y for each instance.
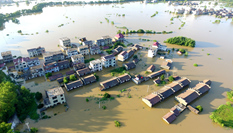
(39, 8)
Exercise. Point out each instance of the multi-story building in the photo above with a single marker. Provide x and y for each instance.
(23, 64)
(7, 56)
(54, 96)
(63, 64)
(122, 56)
(36, 51)
(83, 50)
(152, 52)
(95, 50)
(51, 67)
(100, 42)
(64, 41)
(53, 56)
(87, 43)
(120, 37)
(108, 61)
(96, 65)
(72, 51)
(35, 71)
(76, 59)
(107, 40)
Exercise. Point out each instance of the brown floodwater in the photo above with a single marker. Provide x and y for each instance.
(134, 115)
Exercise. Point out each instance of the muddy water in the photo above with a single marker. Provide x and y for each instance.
(134, 115)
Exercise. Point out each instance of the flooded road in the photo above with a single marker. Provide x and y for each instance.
(134, 115)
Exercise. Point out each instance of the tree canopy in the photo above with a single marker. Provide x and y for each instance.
(180, 40)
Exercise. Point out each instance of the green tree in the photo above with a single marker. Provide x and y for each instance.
(140, 31)
(38, 96)
(106, 95)
(199, 107)
(5, 128)
(34, 130)
(117, 123)
(119, 31)
(170, 78)
(72, 78)
(162, 77)
(8, 100)
(65, 80)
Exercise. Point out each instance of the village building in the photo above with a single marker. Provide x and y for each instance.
(71, 52)
(63, 64)
(24, 63)
(71, 72)
(55, 77)
(96, 65)
(124, 78)
(73, 85)
(53, 56)
(193, 93)
(157, 81)
(139, 79)
(100, 42)
(130, 53)
(54, 96)
(156, 74)
(87, 43)
(166, 65)
(33, 72)
(118, 49)
(82, 40)
(107, 40)
(51, 67)
(152, 99)
(159, 47)
(2, 66)
(136, 60)
(192, 109)
(36, 51)
(95, 50)
(122, 56)
(108, 61)
(120, 37)
(150, 69)
(136, 47)
(84, 71)
(7, 56)
(77, 59)
(129, 65)
(89, 79)
(109, 83)
(64, 41)
(152, 52)
(83, 50)
(79, 66)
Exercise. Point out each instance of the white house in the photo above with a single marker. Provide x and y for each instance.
(152, 52)
(100, 42)
(72, 51)
(122, 56)
(51, 67)
(108, 61)
(107, 40)
(23, 64)
(83, 50)
(54, 96)
(76, 59)
(36, 51)
(64, 41)
(96, 65)
(87, 43)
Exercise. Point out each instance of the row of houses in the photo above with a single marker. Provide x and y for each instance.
(114, 81)
(166, 91)
(124, 55)
(185, 99)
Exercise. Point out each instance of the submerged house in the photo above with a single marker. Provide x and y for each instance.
(109, 83)
(73, 85)
(156, 74)
(152, 99)
(79, 66)
(139, 79)
(54, 96)
(129, 65)
(124, 78)
(166, 65)
(83, 72)
(89, 79)
(150, 69)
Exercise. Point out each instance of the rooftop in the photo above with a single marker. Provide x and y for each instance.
(96, 61)
(77, 56)
(55, 92)
(6, 53)
(64, 38)
(106, 37)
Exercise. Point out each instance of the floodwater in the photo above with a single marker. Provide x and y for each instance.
(134, 115)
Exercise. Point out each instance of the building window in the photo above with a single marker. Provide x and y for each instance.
(55, 101)
(61, 95)
(55, 97)
(62, 98)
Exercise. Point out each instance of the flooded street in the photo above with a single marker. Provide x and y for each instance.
(134, 115)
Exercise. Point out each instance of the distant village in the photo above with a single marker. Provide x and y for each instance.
(71, 57)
